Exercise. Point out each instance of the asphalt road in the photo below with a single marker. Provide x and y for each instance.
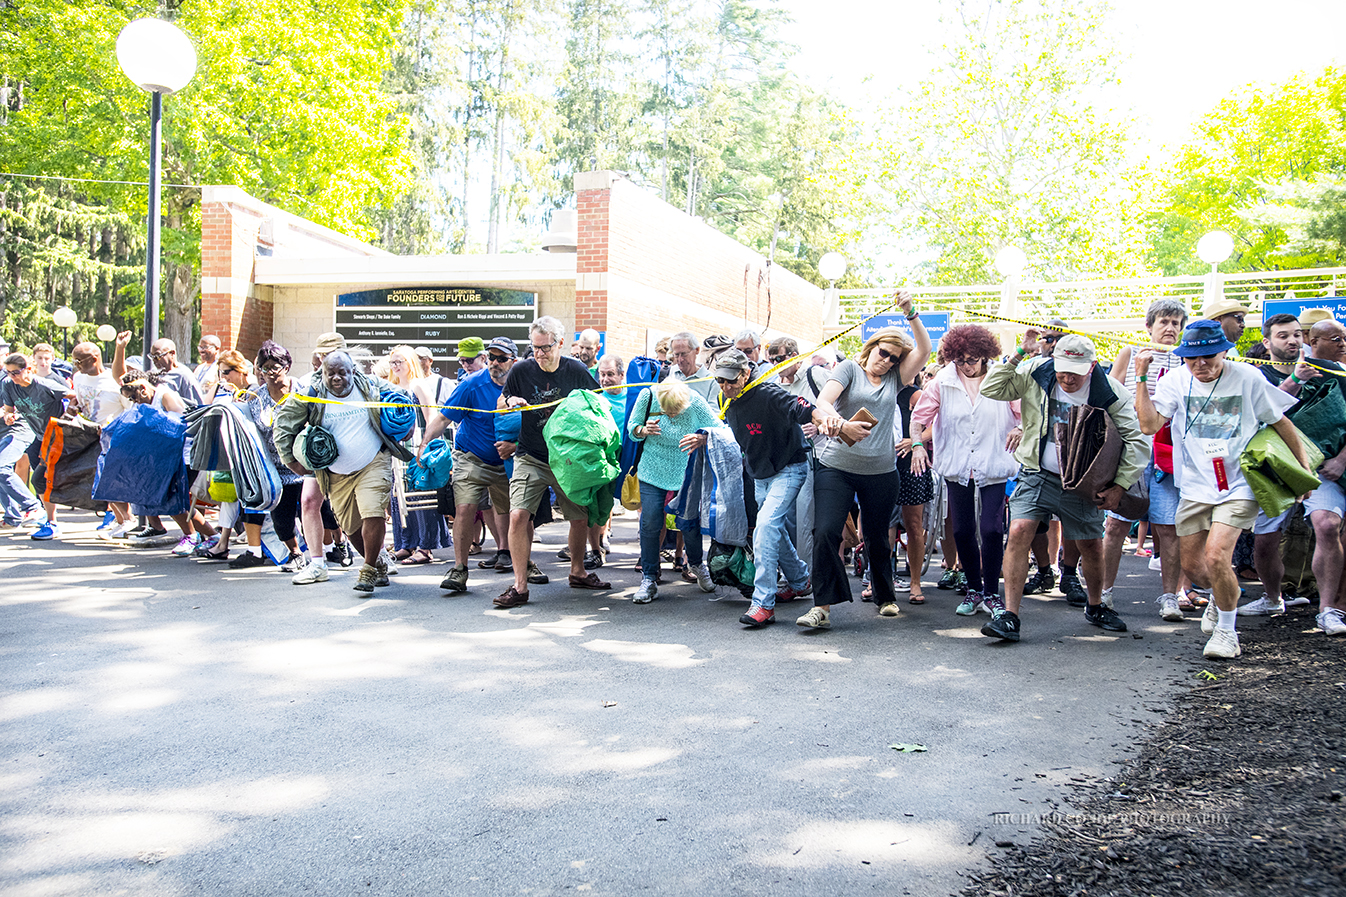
(173, 727)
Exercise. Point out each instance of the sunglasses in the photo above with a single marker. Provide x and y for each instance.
(726, 379)
(969, 361)
(777, 359)
(12, 371)
(224, 371)
(886, 355)
(497, 359)
(272, 369)
(1049, 340)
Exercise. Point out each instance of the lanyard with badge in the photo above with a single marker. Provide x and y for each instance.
(1214, 449)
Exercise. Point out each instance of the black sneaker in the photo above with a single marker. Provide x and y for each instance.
(504, 563)
(341, 554)
(1103, 616)
(948, 581)
(1041, 582)
(563, 554)
(147, 533)
(1003, 625)
(1074, 590)
(490, 562)
(593, 560)
(246, 560)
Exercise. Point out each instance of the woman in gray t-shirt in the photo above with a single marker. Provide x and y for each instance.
(865, 471)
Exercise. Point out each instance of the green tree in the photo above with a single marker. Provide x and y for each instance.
(1002, 144)
(1265, 165)
(286, 103)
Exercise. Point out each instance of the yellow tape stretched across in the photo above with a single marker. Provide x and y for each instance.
(761, 378)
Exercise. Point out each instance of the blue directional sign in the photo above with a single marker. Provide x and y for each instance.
(1297, 307)
(936, 324)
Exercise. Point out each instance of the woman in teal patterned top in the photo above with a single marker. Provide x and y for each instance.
(666, 419)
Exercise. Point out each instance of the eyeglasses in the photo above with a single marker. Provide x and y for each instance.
(224, 371)
(885, 354)
(12, 371)
(163, 354)
(396, 363)
(545, 347)
(272, 370)
(497, 359)
(777, 359)
(1050, 338)
(976, 361)
(726, 379)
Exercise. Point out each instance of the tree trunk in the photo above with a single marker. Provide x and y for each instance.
(180, 309)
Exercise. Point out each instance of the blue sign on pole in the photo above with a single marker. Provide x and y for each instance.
(1297, 307)
(936, 324)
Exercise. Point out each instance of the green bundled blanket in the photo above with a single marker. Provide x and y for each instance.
(1276, 478)
(583, 444)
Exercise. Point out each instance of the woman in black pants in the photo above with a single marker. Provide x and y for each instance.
(865, 471)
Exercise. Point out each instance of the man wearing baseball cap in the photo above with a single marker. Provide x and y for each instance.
(471, 356)
(1048, 387)
(1216, 406)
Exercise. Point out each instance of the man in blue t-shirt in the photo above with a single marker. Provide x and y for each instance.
(28, 403)
(478, 469)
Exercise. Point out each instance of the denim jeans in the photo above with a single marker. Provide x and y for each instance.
(771, 545)
(652, 503)
(15, 498)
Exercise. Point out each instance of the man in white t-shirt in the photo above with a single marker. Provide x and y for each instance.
(1215, 406)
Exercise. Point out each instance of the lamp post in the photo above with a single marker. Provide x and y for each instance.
(831, 266)
(107, 333)
(1009, 262)
(1212, 249)
(64, 317)
(157, 57)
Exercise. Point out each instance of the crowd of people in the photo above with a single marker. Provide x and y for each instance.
(819, 462)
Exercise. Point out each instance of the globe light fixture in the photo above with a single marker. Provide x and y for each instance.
(1010, 261)
(1215, 247)
(159, 58)
(65, 318)
(831, 266)
(106, 332)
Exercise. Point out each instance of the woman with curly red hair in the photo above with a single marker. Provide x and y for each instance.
(973, 445)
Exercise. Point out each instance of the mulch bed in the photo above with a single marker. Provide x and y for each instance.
(1237, 792)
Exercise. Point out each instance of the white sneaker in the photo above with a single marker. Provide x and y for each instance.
(1262, 608)
(816, 618)
(1295, 601)
(388, 560)
(1210, 617)
(1156, 562)
(1224, 644)
(645, 592)
(294, 563)
(1107, 598)
(313, 572)
(1168, 607)
(1332, 622)
(703, 580)
(186, 545)
(902, 585)
(117, 531)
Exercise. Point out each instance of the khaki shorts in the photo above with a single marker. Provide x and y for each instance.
(1039, 496)
(359, 496)
(473, 479)
(531, 479)
(1196, 517)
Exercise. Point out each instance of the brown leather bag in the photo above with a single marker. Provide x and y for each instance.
(1091, 451)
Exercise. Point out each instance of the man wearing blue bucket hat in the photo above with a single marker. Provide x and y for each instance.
(1216, 406)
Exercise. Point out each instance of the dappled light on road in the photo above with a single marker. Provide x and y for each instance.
(877, 842)
(669, 657)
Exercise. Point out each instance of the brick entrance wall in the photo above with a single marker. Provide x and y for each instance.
(646, 266)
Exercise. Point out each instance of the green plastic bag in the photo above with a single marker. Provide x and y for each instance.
(1276, 478)
(1321, 414)
(583, 445)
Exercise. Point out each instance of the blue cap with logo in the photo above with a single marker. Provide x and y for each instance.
(1203, 337)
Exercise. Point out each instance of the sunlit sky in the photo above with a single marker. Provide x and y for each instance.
(1184, 55)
